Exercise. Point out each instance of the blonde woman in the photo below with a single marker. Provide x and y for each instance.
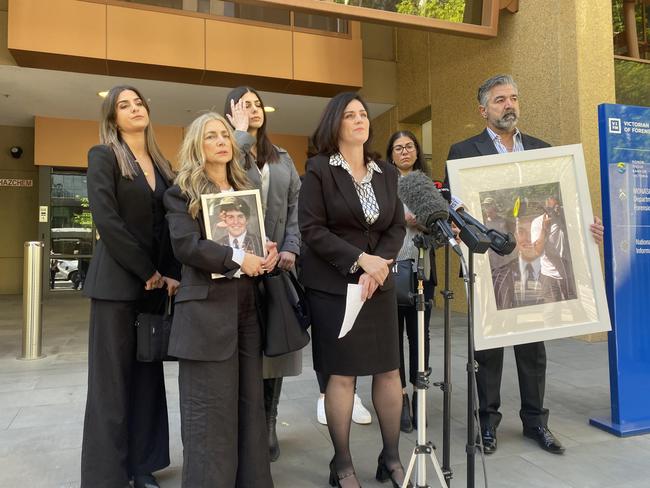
(215, 333)
(125, 428)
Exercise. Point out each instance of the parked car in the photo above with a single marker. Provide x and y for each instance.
(69, 271)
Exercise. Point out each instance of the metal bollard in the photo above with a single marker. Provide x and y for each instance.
(32, 300)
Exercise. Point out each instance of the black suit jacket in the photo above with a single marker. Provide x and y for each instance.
(123, 259)
(205, 316)
(334, 230)
(482, 145)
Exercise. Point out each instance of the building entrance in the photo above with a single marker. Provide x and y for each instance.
(71, 232)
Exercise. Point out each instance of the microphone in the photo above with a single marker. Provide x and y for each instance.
(500, 243)
(419, 193)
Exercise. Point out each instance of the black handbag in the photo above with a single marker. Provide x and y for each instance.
(404, 282)
(152, 334)
(284, 313)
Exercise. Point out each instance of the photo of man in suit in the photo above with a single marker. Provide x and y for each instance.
(235, 214)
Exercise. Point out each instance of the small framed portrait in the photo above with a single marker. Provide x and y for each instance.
(551, 286)
(235, 219)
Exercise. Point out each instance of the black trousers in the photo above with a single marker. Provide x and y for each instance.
(407, 318)
(223, 424)
(531, 370)
(125, 427)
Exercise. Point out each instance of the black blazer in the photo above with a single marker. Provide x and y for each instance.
(482, 145)
(334, 230)
(123, 214)
(205, 316)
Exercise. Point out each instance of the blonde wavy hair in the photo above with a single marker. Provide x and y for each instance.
(192, 178)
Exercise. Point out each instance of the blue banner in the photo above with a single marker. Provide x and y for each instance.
(625, 169)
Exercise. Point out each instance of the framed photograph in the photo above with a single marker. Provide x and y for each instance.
(551, 286)
(235, 219)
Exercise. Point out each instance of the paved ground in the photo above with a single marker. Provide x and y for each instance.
(42, 404)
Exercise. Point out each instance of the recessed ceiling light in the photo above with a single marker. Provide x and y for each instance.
(268, 108)
(103, 93)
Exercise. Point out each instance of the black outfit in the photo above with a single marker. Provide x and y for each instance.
(333, 213)
(218, 340)
(407, 318)
(530, 358)
(125, 426)
(335, 233)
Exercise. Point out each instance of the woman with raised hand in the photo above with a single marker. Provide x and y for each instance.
(352, 226)
(125, 427)
(271, 170)
(215, 334)
(404, 152)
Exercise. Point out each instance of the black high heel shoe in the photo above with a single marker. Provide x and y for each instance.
(385, 474)
(335, 478)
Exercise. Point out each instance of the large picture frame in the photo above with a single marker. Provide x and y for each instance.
(235, 219)
(551, 286)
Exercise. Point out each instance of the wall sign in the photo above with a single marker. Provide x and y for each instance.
(16, 182)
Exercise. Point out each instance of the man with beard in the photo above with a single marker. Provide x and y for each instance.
(498, 100)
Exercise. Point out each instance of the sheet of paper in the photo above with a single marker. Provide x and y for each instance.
(353, 304)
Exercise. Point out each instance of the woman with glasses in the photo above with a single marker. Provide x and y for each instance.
(404, 152)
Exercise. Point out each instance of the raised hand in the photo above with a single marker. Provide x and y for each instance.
(239, 117)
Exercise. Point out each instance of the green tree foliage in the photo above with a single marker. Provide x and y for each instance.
(85, 218)
(452, 10)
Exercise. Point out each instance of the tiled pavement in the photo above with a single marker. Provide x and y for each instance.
(42, 403)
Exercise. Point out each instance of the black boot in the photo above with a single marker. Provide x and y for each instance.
(272, 390)
(414, 403)
(405, 423)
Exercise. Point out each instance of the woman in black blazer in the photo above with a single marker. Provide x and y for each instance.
(352, 225)
(125, 428)
(215, 334)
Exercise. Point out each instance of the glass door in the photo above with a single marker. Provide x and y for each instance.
(71, 230)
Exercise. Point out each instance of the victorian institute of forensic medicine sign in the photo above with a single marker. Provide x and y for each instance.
(624, 170)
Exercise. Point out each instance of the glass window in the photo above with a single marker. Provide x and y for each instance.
(320, 22)
(71, 231)
(631, 25)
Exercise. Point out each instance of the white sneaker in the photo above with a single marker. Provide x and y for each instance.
(320, 411)
(360, 414)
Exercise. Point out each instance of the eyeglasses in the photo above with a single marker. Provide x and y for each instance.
(406, 147)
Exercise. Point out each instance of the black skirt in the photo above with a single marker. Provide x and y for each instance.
(371, 346)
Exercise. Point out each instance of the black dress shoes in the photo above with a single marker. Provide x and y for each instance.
(489, 438)
(145, 481)
(544, 438)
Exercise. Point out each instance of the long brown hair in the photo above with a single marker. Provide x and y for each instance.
(109, 134)
(192, 178)
(326, 136)
(266, 151)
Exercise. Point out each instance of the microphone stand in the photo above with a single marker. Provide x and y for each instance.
(422, 448)
(445, 385)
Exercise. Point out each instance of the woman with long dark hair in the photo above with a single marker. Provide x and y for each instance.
(352, 225)
(404, 152)
(215, 334)
(271, 170)
(125, 428)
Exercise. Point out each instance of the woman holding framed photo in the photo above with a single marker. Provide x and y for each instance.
(215, 334)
